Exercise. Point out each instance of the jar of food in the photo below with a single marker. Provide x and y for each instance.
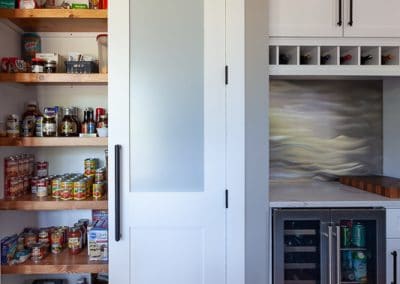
(39, 251)
(49, 125)
(68, 126)
(44, 238)
(56, 242)
(29, 120)
(39, 126)
(83, 230)
(50, 66)
(80, 190)
(37, 65)
(75, 240)
(12, 125)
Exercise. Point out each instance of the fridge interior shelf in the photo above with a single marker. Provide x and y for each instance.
(33, 203)
(300, 232)
(55, 78)
(58, 264)
(301, 249)
(300, 265)
(53, 142)
(57, 20)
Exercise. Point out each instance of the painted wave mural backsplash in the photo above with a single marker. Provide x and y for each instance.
(324, 129)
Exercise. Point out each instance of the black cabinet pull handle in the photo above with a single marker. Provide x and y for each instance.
(351, 13)
(339, 23)
(117, 193)
(394, 254)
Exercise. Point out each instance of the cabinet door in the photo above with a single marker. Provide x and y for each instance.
(305, 18)
(372, 18)
(392, 261)
(167, 111)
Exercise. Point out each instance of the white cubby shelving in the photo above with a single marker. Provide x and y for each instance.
(288, 55)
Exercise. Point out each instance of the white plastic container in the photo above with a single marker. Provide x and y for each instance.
(102, 42)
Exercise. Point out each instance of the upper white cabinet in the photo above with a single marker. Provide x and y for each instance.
(371, 18)
(305, 18)
(334, 18)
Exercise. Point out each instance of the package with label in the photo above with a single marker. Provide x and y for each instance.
(50, 57)
(8, 248)
(98, 241)
(82, 4)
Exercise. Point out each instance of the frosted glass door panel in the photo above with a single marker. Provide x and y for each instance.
(167, 94)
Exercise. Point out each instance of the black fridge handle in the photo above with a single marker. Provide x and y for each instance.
(339, 23)
(117, 193)
(351, 13)
(394, 254)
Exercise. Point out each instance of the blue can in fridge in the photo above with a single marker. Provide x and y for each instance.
(358, 235)
(360, 266)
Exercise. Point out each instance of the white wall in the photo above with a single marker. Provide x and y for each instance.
(391, 127)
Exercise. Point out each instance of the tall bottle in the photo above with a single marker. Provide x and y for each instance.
(68, 124)
(88, 124)
(29, 119)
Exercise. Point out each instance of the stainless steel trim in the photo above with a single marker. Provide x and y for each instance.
(338, 260)
(300, 232)
(330, 250)
(300, 282)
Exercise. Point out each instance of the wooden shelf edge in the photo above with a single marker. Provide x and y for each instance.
(53, 13)
(53, 142)
(58, 264)
(61, 78)
(31, 203)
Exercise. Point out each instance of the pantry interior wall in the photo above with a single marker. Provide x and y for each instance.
(61, 160)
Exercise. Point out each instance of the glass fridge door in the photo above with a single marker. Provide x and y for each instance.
(360, 246)
(300, 241)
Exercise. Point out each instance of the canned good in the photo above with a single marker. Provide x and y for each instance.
(67, 187)
(358, 235)
(44, 238)
(56, 188)
(42, 169)
(100, 175)
(98, 190)
(80, 190)
(12, 125)
(345, 236)
(90, 167)
(56, 242)
(360, 266)
(38, 252)
(39, 126)
(30, 239)
(42, 187)
(11, 167)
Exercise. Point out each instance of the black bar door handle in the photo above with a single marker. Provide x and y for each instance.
(394, 254)
(351, 13)
(117, 193)
(340, 21)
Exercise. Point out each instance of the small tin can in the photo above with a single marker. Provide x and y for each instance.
(42, 169)
(67, 188)
(98, 190)
(42, 187)
(12, 125)
(358, 235)
(56, 187)
(80, 190)
(100, 175)
(90, 167)
(38, 252)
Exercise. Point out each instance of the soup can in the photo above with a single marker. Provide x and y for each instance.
(80, 190)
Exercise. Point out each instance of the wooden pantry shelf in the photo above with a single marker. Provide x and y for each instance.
(33, 203)
(57, 20)
(59, 78)
(58, 264)
(53, 142)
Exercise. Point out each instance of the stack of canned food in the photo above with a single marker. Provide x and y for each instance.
(36, 244)
(18, 169)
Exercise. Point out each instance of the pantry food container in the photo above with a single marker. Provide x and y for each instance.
(102, 42)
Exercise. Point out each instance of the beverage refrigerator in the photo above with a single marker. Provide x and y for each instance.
(329, 246)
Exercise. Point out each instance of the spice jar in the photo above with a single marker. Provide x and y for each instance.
(68, 126)
(75, 240)
(49, 125)
(50, 66)
(37, 65)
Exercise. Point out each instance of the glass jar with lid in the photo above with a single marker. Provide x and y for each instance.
(49, 125)
(68, 125)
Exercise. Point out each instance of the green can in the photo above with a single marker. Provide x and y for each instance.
(358, 235)
(345, 236)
